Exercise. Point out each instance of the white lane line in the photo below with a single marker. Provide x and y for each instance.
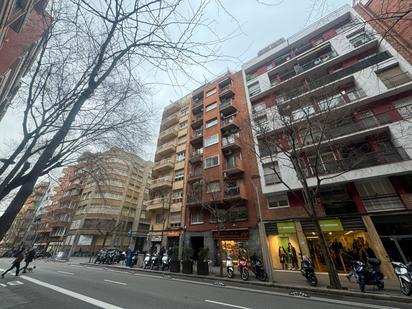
(225, 304)
(87, 299)
(65, 272)
(116, 282)
(3, 285)
(15, 282)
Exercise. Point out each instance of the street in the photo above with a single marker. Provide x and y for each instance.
(65, 285)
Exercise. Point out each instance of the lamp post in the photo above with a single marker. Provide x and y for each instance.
(262, 234)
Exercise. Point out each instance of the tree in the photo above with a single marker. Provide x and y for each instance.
(84, 89)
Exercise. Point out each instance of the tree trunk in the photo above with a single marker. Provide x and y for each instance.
(16, 204)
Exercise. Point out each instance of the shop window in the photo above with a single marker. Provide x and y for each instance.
(393, 76)
(278, 200)
(271, 173)
(196, 216)
(336, 201)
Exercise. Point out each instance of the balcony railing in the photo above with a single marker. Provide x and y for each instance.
(197, 104)
(232, 191)
(224, 103)
(159, 182)
(397, 80)
(170, 119)
(168, 132)
(229, 140)
(162, 163)
(163, 147)
(197, 118)
(228, 121)
(197, 133)
(194, 198)
(156, 203)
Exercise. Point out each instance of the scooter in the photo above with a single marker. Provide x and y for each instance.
(155, 261)
(308, 271)
(404, 273)
(229, 266)
(368, 275)
(147, 261)
(242, 268)
(257, 268)
(165, 261)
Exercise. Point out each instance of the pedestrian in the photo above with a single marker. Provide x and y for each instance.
(29, 258)
(16, 263)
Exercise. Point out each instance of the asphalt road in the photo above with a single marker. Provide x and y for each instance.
(65, 285)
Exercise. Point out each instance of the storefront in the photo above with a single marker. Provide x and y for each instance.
(233, 242)
(173, 239)
(284, 245)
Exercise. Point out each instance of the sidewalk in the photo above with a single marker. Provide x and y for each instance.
(288, 280)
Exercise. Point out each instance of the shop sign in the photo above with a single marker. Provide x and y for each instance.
(173, 234)
(286, 227)
(233, 234)
(331, 225)
(85, 240)
(156, 238)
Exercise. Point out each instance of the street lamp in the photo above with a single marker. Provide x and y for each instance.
(262, 234)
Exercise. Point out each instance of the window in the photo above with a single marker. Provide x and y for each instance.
(211, 106)
(212, 161)
(261, 106)
(359, 39)
(404, 108)
(177, 195)
(181, 156)
(159, 218)
(211, 140)
(368, 120)
(196, 216)
(211, 122)
(323, 163)
(254, 89)
(278, 200)
(303, 112)
(393, 76)
(238, 214)
(221, 214)
(211, 92)
(175, 217)
(271, 173)
(183, 125)
(213, 187)
(179, 175)
(181, 140)
(267, 148)
(184, 111)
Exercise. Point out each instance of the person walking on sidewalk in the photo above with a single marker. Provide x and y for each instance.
(16, 263)
(29, 258)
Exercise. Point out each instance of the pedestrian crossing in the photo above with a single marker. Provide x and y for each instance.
(11, 283)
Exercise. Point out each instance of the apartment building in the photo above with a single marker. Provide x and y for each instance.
(22, 24)
(340, 75)
(165, 206)
(391, 19)
(221, 190)
(111, 186)
(20, 232)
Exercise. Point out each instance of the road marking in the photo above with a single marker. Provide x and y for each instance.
(3, 285)
(225, 304)
(65, 272)
(15, 283)
(87, 299)
(121, 283)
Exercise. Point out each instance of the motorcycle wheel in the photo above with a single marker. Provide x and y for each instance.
(362, 284)
(263, 276)
(313, 280)
(230, 273)
(244, 275)
(381, 285)
(406, 288)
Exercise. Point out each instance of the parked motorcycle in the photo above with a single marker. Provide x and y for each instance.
(308, 271)
(147, 261)
(229, 266)
(368, 274)
(257, 268)
(243, 268)
(165, 261)
(156, 261)
(404, 273)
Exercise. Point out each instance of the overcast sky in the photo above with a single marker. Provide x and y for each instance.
(260, 25)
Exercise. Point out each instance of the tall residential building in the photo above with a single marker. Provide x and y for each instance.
(337, 74)
(112, 186)
(22, 24)
(391, 19)
(165, 206)
(20, 232)
(221, 192)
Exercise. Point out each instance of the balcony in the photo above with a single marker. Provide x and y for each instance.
(157, 203)
(163, 165)
(161, 183)
(234, 193)
(226, 90)
(197, 121)
(197, 136)
(195, 175)
(230, 143)
(229, 124)
(169, 121)
(227, 106)
(166, 149)
(194, 199)
(196, 156)
(233, 167)
(197, 106)
(168, 134)
(170, 109)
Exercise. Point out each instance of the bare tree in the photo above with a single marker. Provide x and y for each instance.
(84, 90)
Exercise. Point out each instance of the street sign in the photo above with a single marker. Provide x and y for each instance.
(129, 232)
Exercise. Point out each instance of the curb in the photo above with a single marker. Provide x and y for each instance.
(214, 278)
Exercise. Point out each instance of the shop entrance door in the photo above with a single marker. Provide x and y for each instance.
(399, 247)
